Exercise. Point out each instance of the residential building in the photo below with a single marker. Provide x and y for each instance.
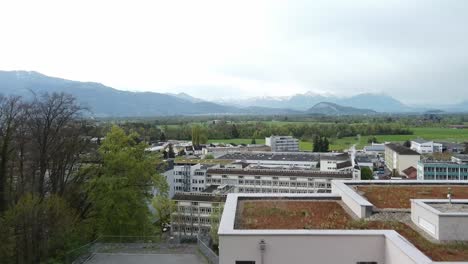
(399, 158)
(193, 211)
(187, 178)
(425, 146)
(282, 143)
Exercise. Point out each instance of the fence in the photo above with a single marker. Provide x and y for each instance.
(207, 251)
(83, 253)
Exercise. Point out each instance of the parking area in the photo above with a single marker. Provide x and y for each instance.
(124, 258)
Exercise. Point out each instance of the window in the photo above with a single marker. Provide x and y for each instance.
(366, 262)
(245, 262)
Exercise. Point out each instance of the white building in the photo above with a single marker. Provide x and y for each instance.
(257, 179)
(193, 212)
(398, 158)
(282, 143)
(424, 146)
(335, 162)
(186, 178)
(359, 244)
(305, 160)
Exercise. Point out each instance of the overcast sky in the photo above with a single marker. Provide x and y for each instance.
(414, 50)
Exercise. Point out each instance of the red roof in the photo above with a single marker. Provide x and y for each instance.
(411, 173)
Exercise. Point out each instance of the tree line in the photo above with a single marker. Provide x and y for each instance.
(59, 190)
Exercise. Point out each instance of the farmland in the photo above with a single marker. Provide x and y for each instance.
(441, 134)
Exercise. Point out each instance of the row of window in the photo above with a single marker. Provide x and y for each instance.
(445, 169)
(189, 230)
(179, 219)
(267, 190)
(445, 177)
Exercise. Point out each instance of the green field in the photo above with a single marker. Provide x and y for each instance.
(441, 134)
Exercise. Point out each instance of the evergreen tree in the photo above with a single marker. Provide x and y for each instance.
(170, 153)
(325, 145)
(253, 142)
(162, 138)
(316, 144)
(234, 132)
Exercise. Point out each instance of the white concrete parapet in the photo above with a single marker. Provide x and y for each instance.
(445, 226)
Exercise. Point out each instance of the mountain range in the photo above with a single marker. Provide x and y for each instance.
(106, 101)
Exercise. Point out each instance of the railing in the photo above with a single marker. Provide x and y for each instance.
(82, 254)
(210, 255)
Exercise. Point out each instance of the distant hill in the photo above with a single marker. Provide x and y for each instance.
(105, 101)
(327, 108)
(376, 102)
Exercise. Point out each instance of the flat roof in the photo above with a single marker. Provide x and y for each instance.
(402, 150)
(275, 156)
(290, 214)
(398, 195)
(281, 172)
(198, 197)
(311, 215)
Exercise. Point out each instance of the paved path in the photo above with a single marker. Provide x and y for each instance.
(124, 258)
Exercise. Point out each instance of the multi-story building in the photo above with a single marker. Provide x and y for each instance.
(398, 158)
(282, 143)
(218, 151)
(193, 211)
(257, 179)
(332, 162)
(455, 170)
(186, 178)
(425, 146)
(306, 160)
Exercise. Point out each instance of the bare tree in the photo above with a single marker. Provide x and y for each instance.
(10, 111)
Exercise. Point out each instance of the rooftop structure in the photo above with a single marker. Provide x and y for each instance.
(375, 148)
(282, 228)
(287, 159)
(425, 146)
(401, 150)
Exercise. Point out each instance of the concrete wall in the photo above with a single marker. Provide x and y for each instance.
(441, 226)
(405, 161)
(360, 206)
(453, 227)
(281, 249)
(425, 219)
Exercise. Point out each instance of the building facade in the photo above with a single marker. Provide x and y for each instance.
(443, 170)
(424, 146)
(282, 143)
(398, 158)
(193, 212)
(267, 180)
